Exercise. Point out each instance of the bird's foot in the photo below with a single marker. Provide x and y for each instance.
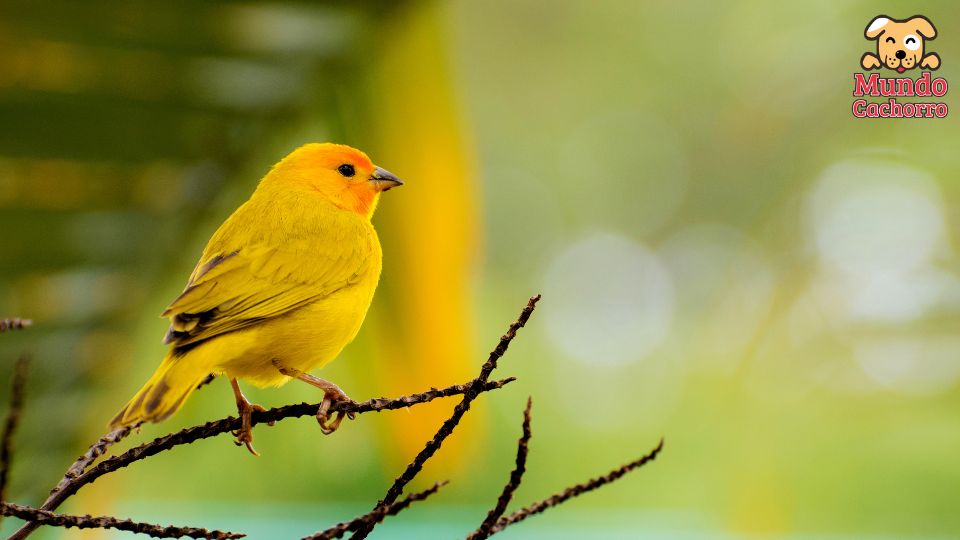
(245, 409)
(244, 435)
(329, 397)
(331, 394)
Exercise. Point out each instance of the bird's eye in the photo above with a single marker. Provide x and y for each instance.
(347, 170)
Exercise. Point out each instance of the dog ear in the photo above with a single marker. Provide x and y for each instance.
(876, 26)
(924, 26)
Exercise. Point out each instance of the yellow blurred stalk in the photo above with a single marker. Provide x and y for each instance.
(421, 318)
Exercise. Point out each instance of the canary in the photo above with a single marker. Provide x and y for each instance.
(280, 289)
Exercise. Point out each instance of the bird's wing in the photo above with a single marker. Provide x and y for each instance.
(230, 290)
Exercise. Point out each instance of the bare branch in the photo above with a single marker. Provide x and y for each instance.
(106, 522)
(451, 423)
(96, 450)
(14, 324)
(67, 488)
(375, 516)
(85, 470)
(516, 476)
(10, 426)
(574, 491)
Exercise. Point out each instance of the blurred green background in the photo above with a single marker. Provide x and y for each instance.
(728, 258)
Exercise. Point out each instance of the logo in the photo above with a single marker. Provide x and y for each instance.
(901, 46)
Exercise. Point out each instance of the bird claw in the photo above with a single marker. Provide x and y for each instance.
(322, 413)
(244, 435)
(331, 393)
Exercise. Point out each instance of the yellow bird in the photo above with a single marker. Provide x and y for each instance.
(280, 289)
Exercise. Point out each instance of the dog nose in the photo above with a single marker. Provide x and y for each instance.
(901, 55)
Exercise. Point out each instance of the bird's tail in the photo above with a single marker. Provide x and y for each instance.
(164, 394)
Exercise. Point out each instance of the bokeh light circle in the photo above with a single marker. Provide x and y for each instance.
(611, 300)
(874, 218)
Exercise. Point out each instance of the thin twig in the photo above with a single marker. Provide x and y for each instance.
(574, 491)
(516, 476)
(451, 423)
(96, 450)
(10, 426)
(231, 423)
(106, 522)
(14, 324)
(375, 516)
(84, 470)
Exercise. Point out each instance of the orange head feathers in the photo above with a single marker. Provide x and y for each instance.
(343, 175)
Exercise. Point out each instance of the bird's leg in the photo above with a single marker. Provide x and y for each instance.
(331, 393)
(244, 435)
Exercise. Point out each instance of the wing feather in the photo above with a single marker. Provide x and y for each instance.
(236, 288)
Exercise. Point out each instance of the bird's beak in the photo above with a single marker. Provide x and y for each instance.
(383, 179)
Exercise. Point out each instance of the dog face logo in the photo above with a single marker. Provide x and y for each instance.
(900, 44)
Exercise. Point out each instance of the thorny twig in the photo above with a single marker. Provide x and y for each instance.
(574, 491)
(96, 450)
(44, 517)
(16, 403)
(64, 490)
(10, 426)
(14, 324)
(374, 516)
(83, 472)
(451, 423)
(516, 476)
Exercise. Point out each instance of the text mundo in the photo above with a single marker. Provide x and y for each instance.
(894, 87)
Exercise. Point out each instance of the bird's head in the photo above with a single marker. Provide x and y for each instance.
(343, 175)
